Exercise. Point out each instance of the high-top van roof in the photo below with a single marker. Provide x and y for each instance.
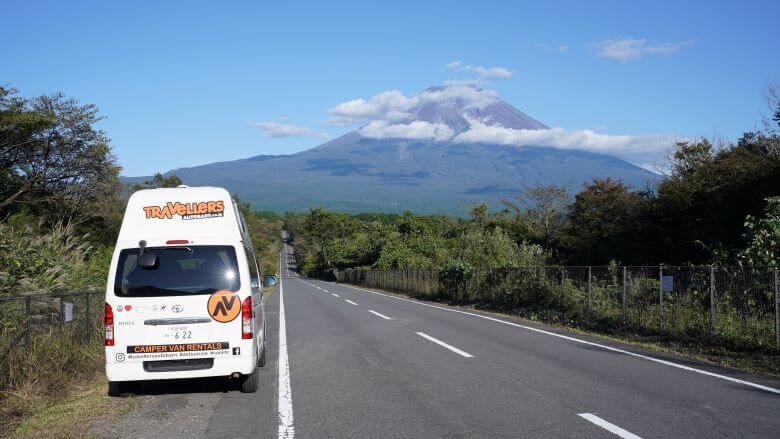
(183, 213)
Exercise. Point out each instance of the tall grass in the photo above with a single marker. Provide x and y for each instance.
(35, 261)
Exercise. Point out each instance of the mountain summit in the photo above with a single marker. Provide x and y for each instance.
(452, 109)
(412, 156)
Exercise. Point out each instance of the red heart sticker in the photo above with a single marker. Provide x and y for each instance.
(128, 307)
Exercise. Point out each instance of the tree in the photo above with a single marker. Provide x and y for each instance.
(158, 181)
(763, 237)
(701, 207)
(542, 212)
(603, 220)
(49, 150)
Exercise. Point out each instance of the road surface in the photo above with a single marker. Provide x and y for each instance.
(348, 362)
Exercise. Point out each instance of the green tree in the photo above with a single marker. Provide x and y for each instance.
(603, 222)
(50, 150)
(540, 213)
(702, 205)
(763, 237)
(158, 181)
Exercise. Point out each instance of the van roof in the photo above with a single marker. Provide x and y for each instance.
(183, 213)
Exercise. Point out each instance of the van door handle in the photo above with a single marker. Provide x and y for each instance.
(179, 321)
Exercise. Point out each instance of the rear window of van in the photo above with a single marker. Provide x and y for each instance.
(180, 271)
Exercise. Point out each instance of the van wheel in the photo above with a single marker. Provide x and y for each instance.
(250, 383)
(116, 388)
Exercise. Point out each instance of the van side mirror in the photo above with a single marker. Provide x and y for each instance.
(148, 260)
(269, 281)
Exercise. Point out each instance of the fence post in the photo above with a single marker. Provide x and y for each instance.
(713, 316)
(27, 311)
(777, 310)
(62, 312)
(563, 280)
(590, 295)
(661, 297)
(623, 302)
(87, 325)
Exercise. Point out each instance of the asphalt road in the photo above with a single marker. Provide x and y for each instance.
(365, 364)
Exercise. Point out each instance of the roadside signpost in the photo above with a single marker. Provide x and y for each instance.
(667, 283)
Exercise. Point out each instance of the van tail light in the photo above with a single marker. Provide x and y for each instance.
(108, 320)
(246, 319)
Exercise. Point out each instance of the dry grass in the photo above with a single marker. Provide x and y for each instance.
(68, 414)
(39, 381)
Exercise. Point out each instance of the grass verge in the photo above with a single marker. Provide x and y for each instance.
(55, 386)
(69, 414)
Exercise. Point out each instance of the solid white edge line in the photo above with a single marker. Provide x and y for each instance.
(378, 314)
(334, 295)
(589, 343)
(444, 345)
(286, 429)
(350, 302)
(612, 428)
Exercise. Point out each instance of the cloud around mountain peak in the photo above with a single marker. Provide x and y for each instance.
(466, 113)
(393, 105)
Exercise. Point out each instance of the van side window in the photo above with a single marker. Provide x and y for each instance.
(252, 261)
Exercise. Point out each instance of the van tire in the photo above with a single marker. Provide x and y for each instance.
(250, 383)
(116, 388)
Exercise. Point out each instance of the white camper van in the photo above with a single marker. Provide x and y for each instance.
(184, 293)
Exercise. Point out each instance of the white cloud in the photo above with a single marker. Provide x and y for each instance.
(469, 82)
(395, 107)
(419, 130)
(276, 129)
(482, 72)
(455, 65)
(642, 148)
(627, 49)
(391, 105)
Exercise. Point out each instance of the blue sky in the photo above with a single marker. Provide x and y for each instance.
(180, 82)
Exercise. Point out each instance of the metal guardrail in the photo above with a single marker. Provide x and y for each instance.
(737, 305)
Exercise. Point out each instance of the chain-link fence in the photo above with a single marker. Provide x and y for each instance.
(735, 306)
(23, 317)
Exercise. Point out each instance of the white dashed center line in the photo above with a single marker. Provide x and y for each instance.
(377, 314)
(351, 302)
(441, 343)
(334, 295)
(612, 428)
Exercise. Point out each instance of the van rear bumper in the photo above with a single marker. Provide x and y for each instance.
(223, 366)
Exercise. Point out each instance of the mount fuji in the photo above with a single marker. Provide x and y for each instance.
(389, 166)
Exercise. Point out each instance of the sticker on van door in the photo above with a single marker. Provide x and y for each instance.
(224, 306)
(187, 211)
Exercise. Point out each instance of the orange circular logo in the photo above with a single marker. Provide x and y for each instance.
(224, 306)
